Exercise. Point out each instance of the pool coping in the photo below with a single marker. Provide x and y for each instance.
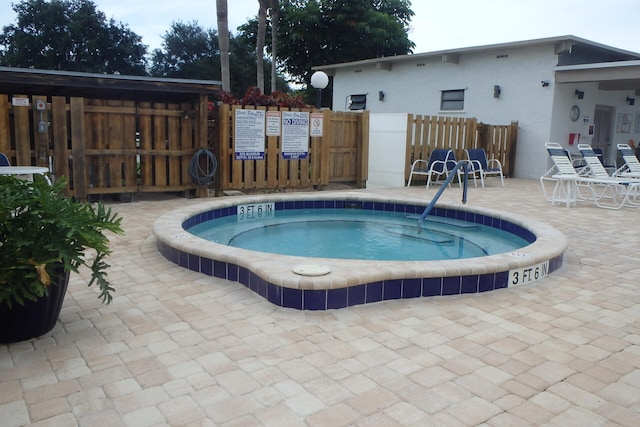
(272, 275)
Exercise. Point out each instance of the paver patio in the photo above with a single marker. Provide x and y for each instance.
(179, 348)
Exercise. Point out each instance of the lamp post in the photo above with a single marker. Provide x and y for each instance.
(319, 80)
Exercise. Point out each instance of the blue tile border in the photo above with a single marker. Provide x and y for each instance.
(325, 299)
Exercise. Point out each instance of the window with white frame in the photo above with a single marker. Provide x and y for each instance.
(452, 100)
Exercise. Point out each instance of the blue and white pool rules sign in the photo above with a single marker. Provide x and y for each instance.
(295, 135)
(249, 134)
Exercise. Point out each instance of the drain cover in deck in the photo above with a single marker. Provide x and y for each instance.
(311, 270)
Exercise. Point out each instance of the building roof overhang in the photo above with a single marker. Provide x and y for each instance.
(26, 81)
(623, 75)
(561, 44)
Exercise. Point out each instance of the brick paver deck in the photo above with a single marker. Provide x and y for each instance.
(179, 348)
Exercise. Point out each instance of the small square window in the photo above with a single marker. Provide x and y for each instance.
(452, 100)
(357, 102)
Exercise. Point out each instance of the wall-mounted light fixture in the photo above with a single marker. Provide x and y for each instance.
(380, 95)
(545, 83)
(631, 101)
(496, 91)
(579, 94)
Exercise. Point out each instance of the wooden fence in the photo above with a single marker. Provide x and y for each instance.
(339, 155)
(106, 146)
(118, 146)
(426, 133)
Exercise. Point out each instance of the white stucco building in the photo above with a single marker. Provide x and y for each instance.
(553, 87)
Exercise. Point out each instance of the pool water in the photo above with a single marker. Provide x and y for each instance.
(359, 234)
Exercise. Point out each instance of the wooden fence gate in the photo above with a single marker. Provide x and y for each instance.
(106, 146)
(339, 155)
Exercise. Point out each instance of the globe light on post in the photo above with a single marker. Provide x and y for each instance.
(319, 80)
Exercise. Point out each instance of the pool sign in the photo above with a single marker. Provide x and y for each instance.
(249, 134)
(19, 102)
(526, 275)
(256, 211)
(317, 122)
(273, 123)
(295, 135)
